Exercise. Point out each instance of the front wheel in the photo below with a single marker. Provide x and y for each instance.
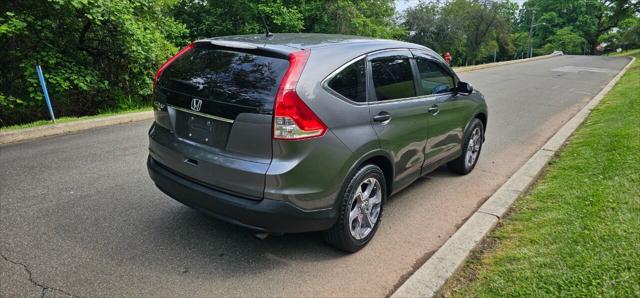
(474, 137)
(360, 210)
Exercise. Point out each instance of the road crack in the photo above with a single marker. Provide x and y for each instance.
(44, 287)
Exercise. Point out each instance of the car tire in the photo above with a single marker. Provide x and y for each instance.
(352, 230)
(474, 138)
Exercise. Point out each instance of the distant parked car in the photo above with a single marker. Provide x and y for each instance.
(307, 132)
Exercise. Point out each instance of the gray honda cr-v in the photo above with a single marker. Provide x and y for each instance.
(307, 132)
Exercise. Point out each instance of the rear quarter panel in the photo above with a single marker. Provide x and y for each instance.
(312, 171)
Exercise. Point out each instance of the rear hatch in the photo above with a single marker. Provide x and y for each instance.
(216, 104)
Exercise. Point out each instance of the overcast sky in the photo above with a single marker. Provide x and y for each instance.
(404, 4)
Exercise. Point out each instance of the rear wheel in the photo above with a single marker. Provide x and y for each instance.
(360, 210)
(474, 137)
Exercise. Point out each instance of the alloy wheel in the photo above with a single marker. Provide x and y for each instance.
(365, 208)
(473, 148)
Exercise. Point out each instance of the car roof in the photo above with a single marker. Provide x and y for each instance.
(289, 42)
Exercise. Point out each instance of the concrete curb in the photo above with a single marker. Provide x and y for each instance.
(491, 65)
(20, 135)
(428, 280)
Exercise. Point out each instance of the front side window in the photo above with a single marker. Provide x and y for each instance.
(392, 78)
(351, 82)
(433, 78)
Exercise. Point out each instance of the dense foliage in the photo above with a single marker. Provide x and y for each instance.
(574, 26)
(100, 55)
(227, 17)
(97, 55)
(475, 30)
(469, 30)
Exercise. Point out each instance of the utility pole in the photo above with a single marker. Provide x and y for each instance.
(533, 19)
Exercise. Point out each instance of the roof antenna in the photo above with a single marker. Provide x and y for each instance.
(267, 34)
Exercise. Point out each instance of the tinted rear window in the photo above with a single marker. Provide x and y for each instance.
(351, 82)
(227, 77)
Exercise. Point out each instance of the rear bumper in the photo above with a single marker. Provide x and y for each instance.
(264, 215)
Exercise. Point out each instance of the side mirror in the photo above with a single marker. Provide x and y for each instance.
(464, 87)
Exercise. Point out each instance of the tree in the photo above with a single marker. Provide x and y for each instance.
(97, 55)
(431, 26)
(487, 20)
(566, 40)
(630, 33)
(227, 17)
(520, 43)
(589, 18)
(469, 29)
(626, 35)
(612, 14)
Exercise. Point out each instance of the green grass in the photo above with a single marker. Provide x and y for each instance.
(634, 53)
(71, 119)
(578, 231)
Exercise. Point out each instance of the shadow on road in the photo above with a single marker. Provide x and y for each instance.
(203, 245)
(187, 238)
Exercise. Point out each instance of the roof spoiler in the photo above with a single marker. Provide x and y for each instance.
(243, 46)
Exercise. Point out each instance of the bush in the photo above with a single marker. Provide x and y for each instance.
(565, 40)
(96, 55)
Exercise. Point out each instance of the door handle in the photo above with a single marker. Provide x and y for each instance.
(382, 117)
(434, 110)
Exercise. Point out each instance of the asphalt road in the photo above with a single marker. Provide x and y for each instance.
(79, 214)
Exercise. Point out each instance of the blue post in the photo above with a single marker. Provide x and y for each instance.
(46, 93)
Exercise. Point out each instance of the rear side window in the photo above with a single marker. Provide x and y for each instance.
(227, 77)
(433, 78)
(392, 78)
(351, 82)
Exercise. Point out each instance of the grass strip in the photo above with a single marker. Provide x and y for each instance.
(71, 119)
(577, 233)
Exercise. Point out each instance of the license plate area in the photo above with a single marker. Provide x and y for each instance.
(201, 130)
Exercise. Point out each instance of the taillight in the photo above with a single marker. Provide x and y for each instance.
(174, 57)
(293, 119)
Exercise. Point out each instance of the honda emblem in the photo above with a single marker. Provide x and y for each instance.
(196, 104)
